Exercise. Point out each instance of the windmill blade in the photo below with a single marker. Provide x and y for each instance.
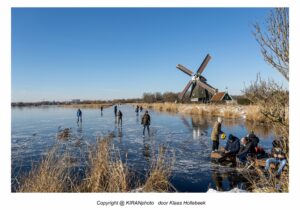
(203, 64)
(181, 95)
(184, 69)
(207, 87)
(192, 89)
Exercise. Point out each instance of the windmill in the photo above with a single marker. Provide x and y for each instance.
(201, 90)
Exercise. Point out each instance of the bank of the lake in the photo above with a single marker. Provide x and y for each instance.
(231, 111)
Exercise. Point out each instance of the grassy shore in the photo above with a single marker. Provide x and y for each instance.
(105, 172)
(249, 112)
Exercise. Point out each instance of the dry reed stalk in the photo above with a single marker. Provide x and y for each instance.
(261, 182)
(49, 176)
(105, 174)
(158, 178)
(253, 114)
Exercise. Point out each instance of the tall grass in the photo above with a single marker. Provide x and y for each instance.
(232, 111)
(158, 178)
(105, 172)
(261, 182)
(253, 113)
(49, 176)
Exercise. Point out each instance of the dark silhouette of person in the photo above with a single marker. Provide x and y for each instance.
(79, 115)
(231, 149)
(120, 116)
(146, 120)
(137, 110)
(116, 110)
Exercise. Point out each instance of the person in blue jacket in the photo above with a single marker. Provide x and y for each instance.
(79, 115)
(231, 149)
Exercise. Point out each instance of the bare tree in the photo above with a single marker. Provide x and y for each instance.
(274, 40)
(273, 101)
(272, 98)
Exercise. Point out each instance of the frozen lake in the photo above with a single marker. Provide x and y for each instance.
(188, 137)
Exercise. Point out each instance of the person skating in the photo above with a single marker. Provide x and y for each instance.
(120, 116)
(137, 110)
(216, 131)
(116, 110)
(79, 115)
(146, 120)
(101, 109)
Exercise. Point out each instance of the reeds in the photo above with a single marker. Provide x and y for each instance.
(105, 172)
(260, 181)
(253, 113)
(49, 176)
(166, 107)
(158, 178)
(232, 111)
(64, 134)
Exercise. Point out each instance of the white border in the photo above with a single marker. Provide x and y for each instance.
(88, 201)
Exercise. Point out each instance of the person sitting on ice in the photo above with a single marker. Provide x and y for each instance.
(231, 149)
(279, 157)
(246, 149)
(253, 138)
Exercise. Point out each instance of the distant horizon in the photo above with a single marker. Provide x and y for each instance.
(82, 100)
(61, 54)
(70, 100)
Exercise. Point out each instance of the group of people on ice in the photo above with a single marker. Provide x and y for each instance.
(245, 149)
(236, 150)
(145, 121)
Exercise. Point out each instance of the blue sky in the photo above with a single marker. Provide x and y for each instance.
(107, 53)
